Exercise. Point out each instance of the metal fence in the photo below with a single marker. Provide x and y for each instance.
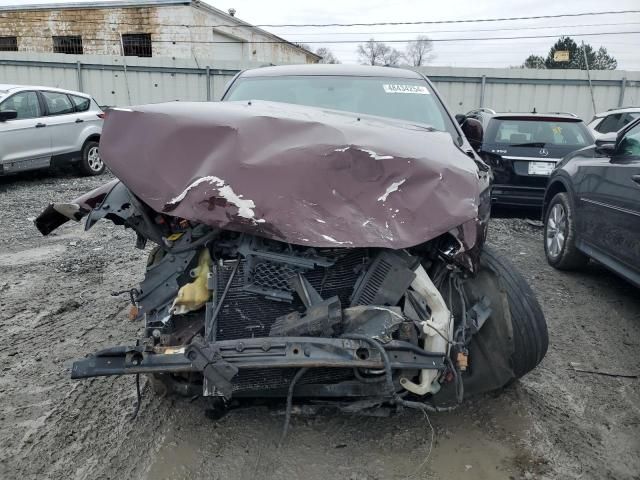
(523, 90)
(115, 80)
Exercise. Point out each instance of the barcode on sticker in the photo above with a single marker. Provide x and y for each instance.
(399, 88)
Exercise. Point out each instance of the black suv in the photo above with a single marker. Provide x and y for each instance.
(524, 148)
(592, 207)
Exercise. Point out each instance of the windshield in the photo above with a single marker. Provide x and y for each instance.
(401, 98)
(538, 133)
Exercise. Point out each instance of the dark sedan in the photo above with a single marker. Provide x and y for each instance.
(592, 207)
(524, 148)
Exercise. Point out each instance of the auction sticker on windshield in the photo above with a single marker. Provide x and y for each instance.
(398, 88)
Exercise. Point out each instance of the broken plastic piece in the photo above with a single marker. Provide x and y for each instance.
(319, 320)
(194, 295)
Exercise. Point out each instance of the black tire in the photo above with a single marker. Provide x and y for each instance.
(514, 338)
(560, 237)
(89, 163)
(530, 335)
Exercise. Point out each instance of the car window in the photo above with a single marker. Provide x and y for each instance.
(25, 103)
(82, 103)
(609, 124)
(525, 132)
(627, 118)
(57, 103)
(401, 98)
(630, 144)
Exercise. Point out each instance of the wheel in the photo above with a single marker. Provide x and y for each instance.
(514, 338)
(528, 325)
(560, 235)
(91, 163)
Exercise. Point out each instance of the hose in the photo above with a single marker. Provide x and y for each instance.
(199, 242)
(383, 353)
(287, 415)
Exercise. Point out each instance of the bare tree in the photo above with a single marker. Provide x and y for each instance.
(392, 57)
(372, 52)
(419, 51)
(327, 56)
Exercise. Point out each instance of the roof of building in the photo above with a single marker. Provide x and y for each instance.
(230, 19)
(332, 69)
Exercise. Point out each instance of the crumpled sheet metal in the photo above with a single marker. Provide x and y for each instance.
(292, 173)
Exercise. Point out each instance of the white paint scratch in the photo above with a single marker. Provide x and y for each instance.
(320, 220)
(333, 240)
(371, 153)
(376, 156)
(211, 180)
(390, 189)
(245, 206)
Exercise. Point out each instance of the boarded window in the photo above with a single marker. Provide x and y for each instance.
(136, 44)
(68, 44)
(8, 44)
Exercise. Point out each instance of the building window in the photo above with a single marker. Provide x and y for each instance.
(68, 44)
(8, 44)
(136, 44)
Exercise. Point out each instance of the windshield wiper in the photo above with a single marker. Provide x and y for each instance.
(531, 144)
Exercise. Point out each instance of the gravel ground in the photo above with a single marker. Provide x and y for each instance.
(55, 305)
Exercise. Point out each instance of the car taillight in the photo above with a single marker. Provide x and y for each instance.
(100, 115)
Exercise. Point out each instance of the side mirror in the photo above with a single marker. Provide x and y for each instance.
(474, 132)
(8, 115)
(605, 147)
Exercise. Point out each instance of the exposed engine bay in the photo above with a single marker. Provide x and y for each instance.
(236, 315)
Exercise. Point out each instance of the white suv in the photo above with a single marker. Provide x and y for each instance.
(612, 121)
(42, 127)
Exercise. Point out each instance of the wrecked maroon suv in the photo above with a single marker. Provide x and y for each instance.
(319, 235)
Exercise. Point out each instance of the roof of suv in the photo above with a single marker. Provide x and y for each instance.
(550, 117)
(327, 69)
(617, 110)
(6, 88)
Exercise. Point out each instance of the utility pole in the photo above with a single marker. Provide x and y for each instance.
(586, 63)
(124, 66)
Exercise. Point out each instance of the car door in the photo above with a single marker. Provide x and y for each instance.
(61, 122)
(25, 143)
(608, 190)
(87, 111)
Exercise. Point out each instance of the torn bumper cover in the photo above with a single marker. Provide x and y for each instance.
(220, 361)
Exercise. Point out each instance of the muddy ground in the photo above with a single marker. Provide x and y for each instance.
(55, 305)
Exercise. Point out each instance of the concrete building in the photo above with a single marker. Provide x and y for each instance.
(144, 28)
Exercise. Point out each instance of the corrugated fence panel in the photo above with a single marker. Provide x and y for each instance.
(114, 80)
(522, 90)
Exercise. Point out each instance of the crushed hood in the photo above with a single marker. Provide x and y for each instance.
(293, 173)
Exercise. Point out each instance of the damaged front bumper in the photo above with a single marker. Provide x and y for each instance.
(220, 361)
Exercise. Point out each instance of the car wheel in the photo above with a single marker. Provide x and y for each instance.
(529, 327)
(560, 235)
(91, 163)
(514, 338)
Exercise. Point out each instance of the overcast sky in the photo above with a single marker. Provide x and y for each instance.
(489, 53)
